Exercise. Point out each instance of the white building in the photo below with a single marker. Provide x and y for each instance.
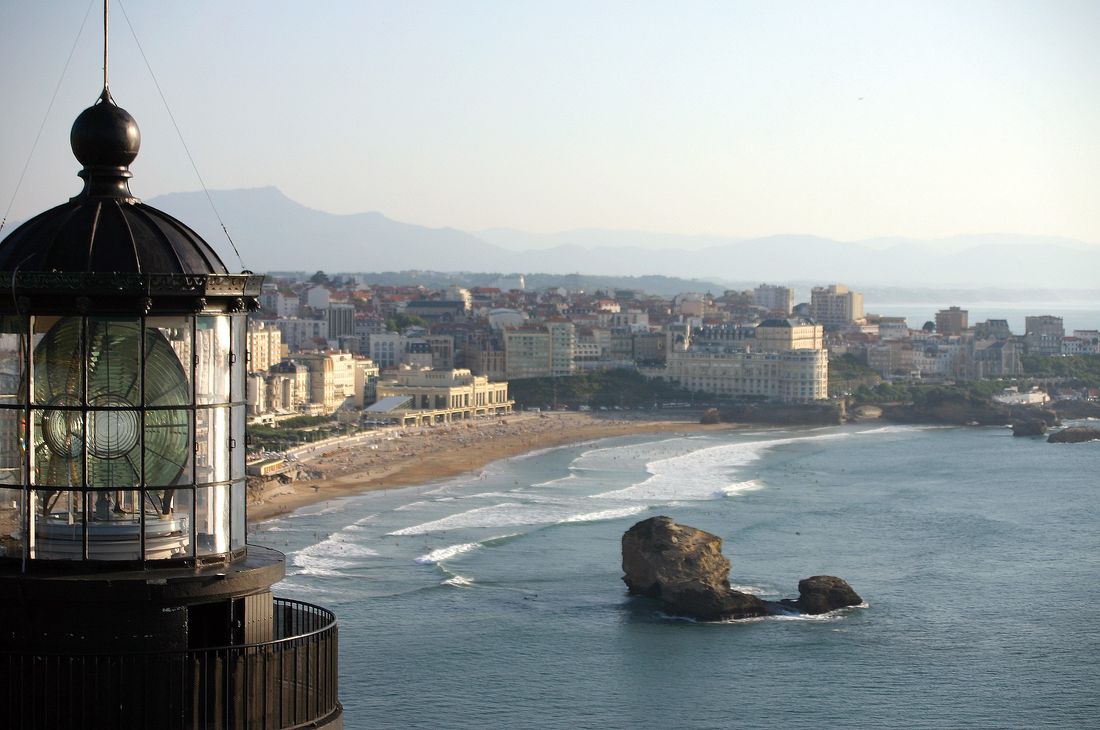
(793, 376)
(774, 298)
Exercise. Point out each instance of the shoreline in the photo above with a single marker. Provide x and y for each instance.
(403, 458)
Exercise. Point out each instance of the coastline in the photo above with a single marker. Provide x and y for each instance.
(416, 456)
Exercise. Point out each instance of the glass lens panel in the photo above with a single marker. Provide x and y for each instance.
(58, 360)
(11, 523)
(212, 355)
(239, 526)
(57, 525)
(168, 358)
(237, 450)
(114, 456)
(168, 523)
(168, 447)
(212, 519)
(12, 359)
(211, 445)
(114, 524)
(57, 441)
(239, 357)
(12, 445)
(114, 362)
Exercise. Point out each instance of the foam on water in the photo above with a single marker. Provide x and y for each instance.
(330, 556)
(754, 590)
(898, 429)
(555, 482)
(606, 514)
(505, 514)
(704, 473)
(458, 581)
(445, 553)
(409, 506)
(750, 486)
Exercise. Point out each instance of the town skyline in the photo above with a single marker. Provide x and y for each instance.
(848, 122)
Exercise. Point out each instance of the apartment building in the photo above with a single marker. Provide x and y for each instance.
(836, 305)
(952, 321)
(793, 376)
(779, 299)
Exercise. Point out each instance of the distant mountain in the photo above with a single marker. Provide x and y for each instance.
(276, 233)
(599, 237)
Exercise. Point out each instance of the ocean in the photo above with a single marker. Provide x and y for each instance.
(495, 600)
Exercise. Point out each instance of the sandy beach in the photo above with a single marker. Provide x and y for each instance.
(399, 458)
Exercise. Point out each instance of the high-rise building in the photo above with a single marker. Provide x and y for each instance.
(1043, 335)
(952, 321)
(835, 305)
(778, 299)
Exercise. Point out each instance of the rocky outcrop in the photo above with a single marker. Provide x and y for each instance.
(824, 593)
(684, 568)
(866, 413)
(1075, 435)
(786, 414)
(1031, 427)
(967, 412)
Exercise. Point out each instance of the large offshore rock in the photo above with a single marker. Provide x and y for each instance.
(1032, 427)
(684, 568)
(1075, 435)
(824, 593)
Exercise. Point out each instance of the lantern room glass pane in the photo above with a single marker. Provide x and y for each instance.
(114, 524)
(168, 447)
(238, 504)
(114, 362)
(212, 520)
(12, 445)
(212, 343)
(114, 453)
(238, 445)
(11, 523)
(57, 524)
(58, 360)
(239, 357)
(13, 360)
(211, 445)
(168, 358)
(57, 440)
(168, 523)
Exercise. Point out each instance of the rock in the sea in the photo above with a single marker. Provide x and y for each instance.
(1034, 427)
(1075, 435)
(684, 568)
(824, 593)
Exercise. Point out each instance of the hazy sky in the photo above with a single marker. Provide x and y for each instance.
(842, 119)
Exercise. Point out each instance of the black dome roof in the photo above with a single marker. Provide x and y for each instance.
(107, 235)
(105, 229)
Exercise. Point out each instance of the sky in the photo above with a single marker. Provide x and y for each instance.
(847, 119)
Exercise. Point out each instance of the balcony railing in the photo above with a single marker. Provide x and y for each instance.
(287, 682)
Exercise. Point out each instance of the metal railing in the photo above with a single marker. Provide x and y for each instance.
(287, 682)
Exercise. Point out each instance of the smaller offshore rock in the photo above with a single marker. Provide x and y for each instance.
(824, 593)
(1074, 435)
(684, 568)
(1034, 427)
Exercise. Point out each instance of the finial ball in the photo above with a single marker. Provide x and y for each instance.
(105, 135)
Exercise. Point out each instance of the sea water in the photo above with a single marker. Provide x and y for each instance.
(495, 600)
